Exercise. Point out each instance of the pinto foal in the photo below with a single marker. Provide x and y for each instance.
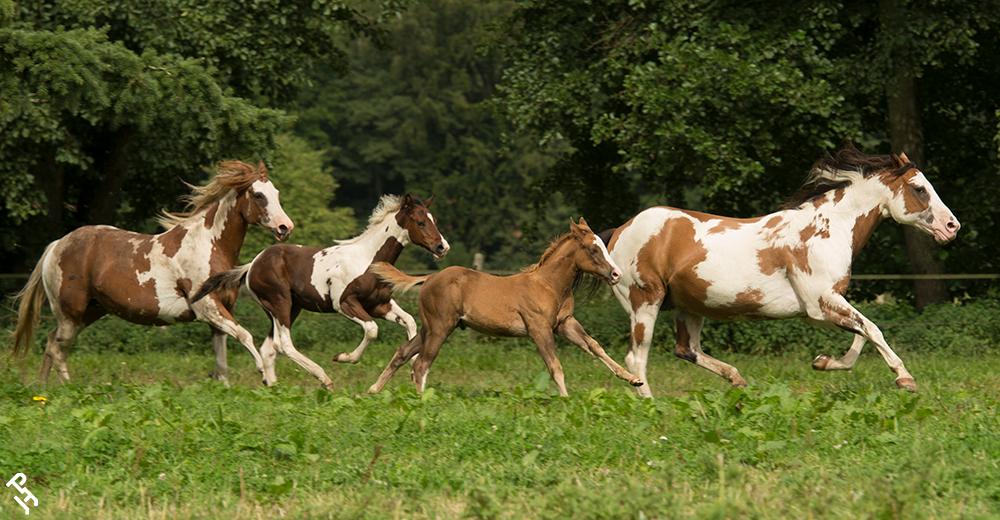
(795, 263)
(288, 278)
(533, 303)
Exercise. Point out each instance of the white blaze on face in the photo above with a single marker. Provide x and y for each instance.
(444, 242)
(616, 273)
(275, 216)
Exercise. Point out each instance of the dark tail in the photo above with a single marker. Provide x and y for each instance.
(230, 280)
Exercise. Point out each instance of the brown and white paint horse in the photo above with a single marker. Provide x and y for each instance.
(148, 279)
(793, 263)
(533, 303)
(284, 279)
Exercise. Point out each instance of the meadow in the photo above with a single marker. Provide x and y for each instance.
(141, 432)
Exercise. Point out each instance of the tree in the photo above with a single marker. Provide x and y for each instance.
(737, 99)
(414, 118)
(105, 106)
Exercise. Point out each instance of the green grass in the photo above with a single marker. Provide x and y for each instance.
(142, 433)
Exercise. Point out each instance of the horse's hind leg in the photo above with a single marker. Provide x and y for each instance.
(428, 351)
(219, 348)
(689, 348)
(60, 341)
(825, 362)
(403, 354)
(283, 338)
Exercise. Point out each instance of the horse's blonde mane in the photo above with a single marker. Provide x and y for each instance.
(387, 205)
(232, 175)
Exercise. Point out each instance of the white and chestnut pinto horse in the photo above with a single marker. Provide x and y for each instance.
(284, 279)
(793, 263)
(533, 303)
(148, 279)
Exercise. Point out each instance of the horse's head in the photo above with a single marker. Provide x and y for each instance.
(914, 201)
(421, 226)
(260, 206)
(592, 257)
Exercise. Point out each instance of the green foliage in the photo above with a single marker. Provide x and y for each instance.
(307, 192)
(413, 118)
(263, 48)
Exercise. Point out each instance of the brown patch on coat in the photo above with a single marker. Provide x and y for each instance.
(210, 215)
(638, 333)
(818, 202)
(171, 241)
(683, 348)
(838, 195)
(864, 227)
(773, 222)
(724, 225)
(368, 289)
(746, 303)
(772, 259)
(841, 286)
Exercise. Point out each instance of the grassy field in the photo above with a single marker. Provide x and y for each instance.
(142, 432)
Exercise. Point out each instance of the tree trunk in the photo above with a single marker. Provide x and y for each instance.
(114, 171)
(906, 135)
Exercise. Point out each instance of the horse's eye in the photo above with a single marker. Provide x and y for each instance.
(420, 223)
(920, 190)
(259, 196)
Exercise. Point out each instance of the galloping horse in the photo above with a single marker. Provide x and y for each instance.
(147, 279)
(284, 279)
(533, 303)
(793, 263)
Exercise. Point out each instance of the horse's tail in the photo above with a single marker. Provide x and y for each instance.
(588, 286)
(29, 310)
(400, 281)
(230, 280)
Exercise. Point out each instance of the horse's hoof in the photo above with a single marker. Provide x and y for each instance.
(328, 387)
(821, 362)
(907, 383)
(739, 384)
(635, 382)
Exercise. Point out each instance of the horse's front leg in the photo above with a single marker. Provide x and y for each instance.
(689, 348)
(546, 343)
(573, 331)
(835, 309)
(353, 310)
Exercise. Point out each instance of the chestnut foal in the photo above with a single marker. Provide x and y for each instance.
(533, 303)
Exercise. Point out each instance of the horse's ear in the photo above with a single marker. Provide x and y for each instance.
(262, 168)
(898, 162)
(583, 223)
(427, 203)
(904, 158)
(407, 201)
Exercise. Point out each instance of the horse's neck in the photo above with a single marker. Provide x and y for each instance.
(385, 240)
(223, 227)
(854, 216)
(557, 268)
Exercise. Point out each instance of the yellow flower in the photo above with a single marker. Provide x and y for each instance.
(42, 399)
